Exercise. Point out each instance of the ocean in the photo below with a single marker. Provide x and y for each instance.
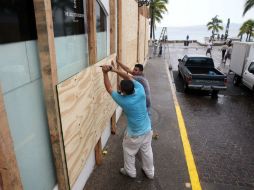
(195, 32)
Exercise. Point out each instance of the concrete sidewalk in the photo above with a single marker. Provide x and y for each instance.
(169, 160)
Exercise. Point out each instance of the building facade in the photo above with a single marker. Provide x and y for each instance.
(55, 115)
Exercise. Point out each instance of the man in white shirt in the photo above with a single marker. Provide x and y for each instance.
(209, 48)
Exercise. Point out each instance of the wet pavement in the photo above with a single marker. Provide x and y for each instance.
(220, 131)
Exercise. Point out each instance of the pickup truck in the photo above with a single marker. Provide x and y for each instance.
(242, 64)
(198, 72)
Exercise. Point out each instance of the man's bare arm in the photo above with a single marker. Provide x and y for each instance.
(120, 73)
(106, 69)
(107, 83)
(124, 67)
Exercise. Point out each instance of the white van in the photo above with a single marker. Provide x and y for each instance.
(242, 63)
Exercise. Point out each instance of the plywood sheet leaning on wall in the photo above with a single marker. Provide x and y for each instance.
(76, 112)
(85, 107)
(130, 32)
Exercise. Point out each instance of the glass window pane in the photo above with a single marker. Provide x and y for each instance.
(17, 21)
(23, 94)
(71, 41)
(251, 66)
(101, 32)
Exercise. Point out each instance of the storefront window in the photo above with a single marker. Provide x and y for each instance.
(71, 40)
(17, 21)
(101, 31)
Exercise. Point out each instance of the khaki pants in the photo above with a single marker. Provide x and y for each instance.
(131, 146)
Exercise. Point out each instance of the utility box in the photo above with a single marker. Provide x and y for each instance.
(242, 53)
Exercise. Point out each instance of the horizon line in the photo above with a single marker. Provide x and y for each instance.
(194, 25)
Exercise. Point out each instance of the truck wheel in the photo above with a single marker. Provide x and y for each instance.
(236, 80)
(179, 74)
(185, 87)
(215, 93)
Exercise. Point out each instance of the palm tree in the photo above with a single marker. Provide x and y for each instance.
(157, 8)
(240, 34)
(247, 6)
(214, 25)
(247, 28)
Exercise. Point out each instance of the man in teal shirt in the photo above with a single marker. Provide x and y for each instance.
(138, 136)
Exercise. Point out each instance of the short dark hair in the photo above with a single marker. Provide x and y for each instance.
(127, 86)
(140, 66)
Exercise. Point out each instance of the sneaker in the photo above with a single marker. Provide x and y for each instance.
(148, 176)
(123, 171)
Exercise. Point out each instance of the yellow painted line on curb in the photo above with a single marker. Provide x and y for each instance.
(195, 183)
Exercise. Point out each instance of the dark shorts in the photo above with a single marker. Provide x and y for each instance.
(228, 56)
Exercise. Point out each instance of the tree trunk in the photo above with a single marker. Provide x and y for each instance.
(250, 34)
(153, 32)
(151, 26)
(247, 37)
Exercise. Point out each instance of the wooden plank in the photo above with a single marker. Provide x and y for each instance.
(119, 32)
(98, 153)
(145, 40)
(45, 33)
(138, 33)
(147, 37)
(113, 123)
(141, 44)
(9, 172)
(112, 6)
(91, 23)
(1, 182)
(91, 18)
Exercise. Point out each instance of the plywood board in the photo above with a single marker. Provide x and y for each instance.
(46, 48)
(85, 107)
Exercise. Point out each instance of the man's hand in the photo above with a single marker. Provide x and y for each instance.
(124, 67)
(113, 64)
(106, 68)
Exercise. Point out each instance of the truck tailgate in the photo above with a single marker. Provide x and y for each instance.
(208, 82)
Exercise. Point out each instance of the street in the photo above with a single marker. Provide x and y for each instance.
(220, 131)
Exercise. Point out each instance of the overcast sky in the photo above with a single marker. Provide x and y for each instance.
(199, 12)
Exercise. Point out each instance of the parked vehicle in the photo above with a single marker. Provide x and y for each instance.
(198, 72)
(242, 63)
